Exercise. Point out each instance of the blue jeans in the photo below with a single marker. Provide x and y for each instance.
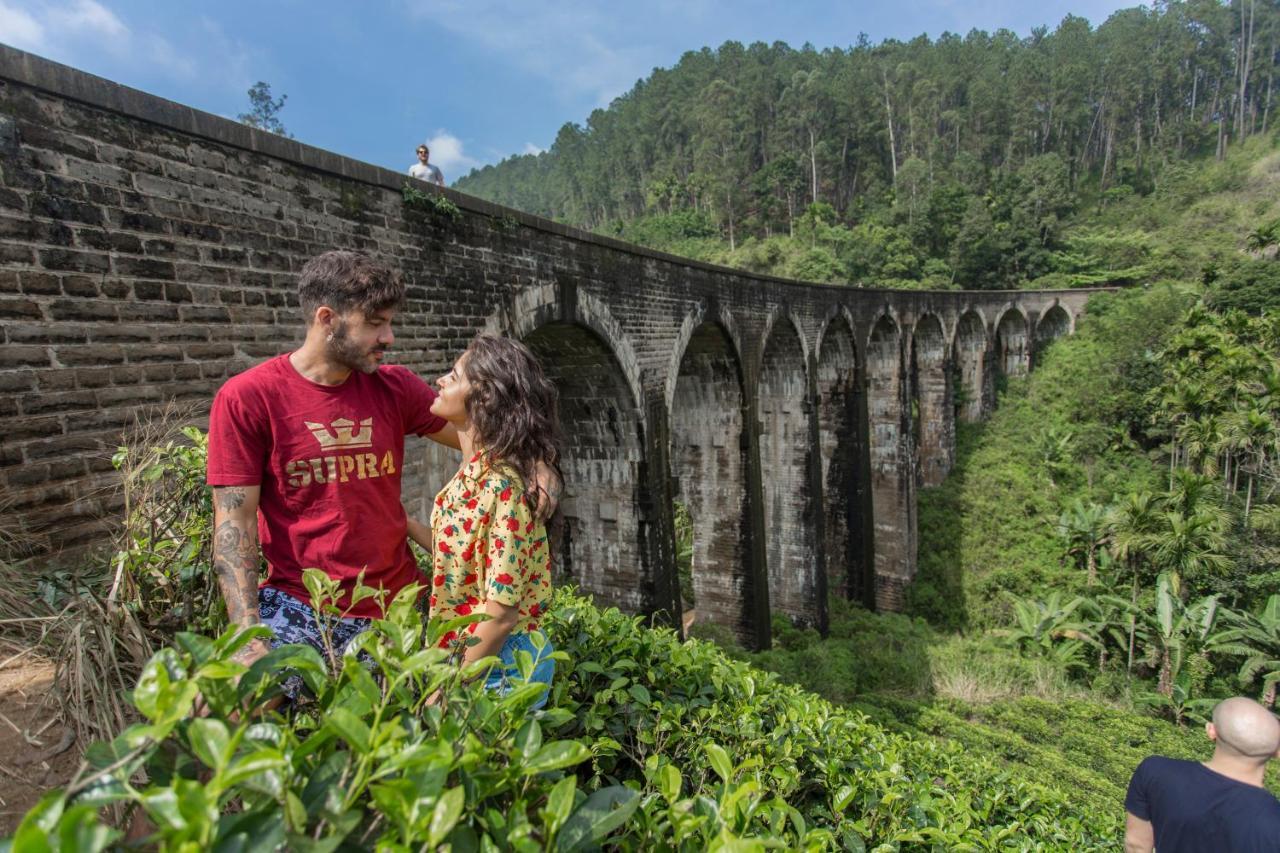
(502, 679)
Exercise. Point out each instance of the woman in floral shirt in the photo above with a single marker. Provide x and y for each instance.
(489, 550)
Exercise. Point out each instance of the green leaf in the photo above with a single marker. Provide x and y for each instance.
(446, 813)
(719, 761)
(209, 739)
(602, 813)
(560, 802)
(350, 728)
(529, 739)
(556, 755)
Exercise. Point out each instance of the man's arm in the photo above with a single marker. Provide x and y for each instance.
(446, 435)
(1139, 836)
(236, 558)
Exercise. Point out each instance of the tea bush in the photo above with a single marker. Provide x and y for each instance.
(647, 743)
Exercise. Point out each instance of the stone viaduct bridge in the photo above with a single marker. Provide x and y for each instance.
(148, 251)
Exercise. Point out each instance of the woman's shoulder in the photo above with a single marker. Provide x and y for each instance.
(502, 479)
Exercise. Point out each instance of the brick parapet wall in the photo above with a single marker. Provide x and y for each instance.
(148, 251)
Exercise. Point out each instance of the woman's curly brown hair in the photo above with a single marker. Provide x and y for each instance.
(513, 408)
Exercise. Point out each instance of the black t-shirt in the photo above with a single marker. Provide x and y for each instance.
(1193, 809)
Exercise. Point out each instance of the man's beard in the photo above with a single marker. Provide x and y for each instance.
(342, 350)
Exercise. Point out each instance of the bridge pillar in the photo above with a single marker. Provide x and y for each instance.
(710, 465)
(935, 431)
(656, 505)
(892, 470)
(787, 439)
(845, 465)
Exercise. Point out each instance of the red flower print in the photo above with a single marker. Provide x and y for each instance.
(513, 523)
(440, 500)
(463, 609)
(433, 601)
(448, 638)
(443, 547)
(534, 609)
(533, 626)
(472, 504)
(466, 525)
(484, 519)
(488, 562)
(504, 579)
(469, 553)
(450, 530)
(438, 580)
(469, 579)
(466, 494)
(471, 629)
(506, 495)
(471, 599)
(528, 528)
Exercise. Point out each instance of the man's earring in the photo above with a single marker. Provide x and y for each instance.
(329, 339)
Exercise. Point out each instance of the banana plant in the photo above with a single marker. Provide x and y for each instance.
(1256, 638)
(1052, 628)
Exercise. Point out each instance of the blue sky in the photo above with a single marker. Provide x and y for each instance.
(482, 79)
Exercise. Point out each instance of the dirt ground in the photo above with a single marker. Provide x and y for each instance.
(28, 765)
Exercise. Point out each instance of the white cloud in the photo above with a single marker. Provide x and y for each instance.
(68, 30)
(576, 47)
(89, 17)
(530, 148)
(20, 29)
(447, 153)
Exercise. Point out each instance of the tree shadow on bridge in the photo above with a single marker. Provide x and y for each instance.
(938, 592)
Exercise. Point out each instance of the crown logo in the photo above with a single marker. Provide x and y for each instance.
(342, 435)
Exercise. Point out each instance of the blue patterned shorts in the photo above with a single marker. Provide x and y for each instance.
(293, 621)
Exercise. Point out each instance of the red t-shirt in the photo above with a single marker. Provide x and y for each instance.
(328, 459)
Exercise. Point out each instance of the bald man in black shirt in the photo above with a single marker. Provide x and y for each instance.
(1220, 805)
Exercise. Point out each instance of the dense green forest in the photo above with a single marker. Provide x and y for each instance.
(953, 162)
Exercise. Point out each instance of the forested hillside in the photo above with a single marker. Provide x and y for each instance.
(937, 163)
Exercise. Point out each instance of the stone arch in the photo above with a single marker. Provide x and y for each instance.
(534, 307)
(842, 444)
(1053, 324)
(1012, 346)
(709, 476)
(973, 377)
(934, 417)
(692, 323)
(892, 476)
(785, 446)
(602, 539)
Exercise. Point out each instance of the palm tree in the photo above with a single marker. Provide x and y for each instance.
(1263, 237)
(1252, 434)
(1201, 439)
(1189, 546)
(1132, 523)
(1085, 529)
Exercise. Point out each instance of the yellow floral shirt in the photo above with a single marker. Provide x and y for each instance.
(488, 546)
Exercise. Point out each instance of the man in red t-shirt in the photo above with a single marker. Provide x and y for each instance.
(305, 457)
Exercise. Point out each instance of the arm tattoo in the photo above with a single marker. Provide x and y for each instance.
(229, 498)
(235, 562)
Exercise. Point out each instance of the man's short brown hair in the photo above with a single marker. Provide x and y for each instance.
(348, 281)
